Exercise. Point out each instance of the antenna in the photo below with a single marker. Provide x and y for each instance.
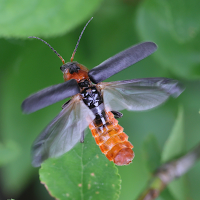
(72, 58)
(63, 61)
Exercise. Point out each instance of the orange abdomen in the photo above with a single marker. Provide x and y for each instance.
(112, 141)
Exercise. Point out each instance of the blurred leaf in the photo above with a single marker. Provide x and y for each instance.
(179, 188)
(43, 17)
(166, 195)
(174, 26)
(8, 152)
(174, 147)
(152, 153)
(175, 144)
(82, 173)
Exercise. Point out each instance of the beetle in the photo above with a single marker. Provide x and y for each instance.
(97, 104)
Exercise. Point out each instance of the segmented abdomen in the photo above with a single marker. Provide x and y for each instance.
(112, 141)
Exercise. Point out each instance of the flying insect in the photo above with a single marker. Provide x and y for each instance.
(97, 104)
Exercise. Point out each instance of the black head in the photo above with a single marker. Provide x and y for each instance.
(71, 66)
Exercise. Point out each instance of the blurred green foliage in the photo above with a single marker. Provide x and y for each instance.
(172, 149)
(44, 18)
(28, 65)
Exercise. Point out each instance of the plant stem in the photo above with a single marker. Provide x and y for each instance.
(168, 172)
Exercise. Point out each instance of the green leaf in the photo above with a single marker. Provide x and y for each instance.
(175, 144)
(152, 153)
(166, 195)
(82, 173)
(179, 188)
(175, 27)
(8, 152)
(43, 17)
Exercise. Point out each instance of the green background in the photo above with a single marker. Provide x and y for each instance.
(28, 65)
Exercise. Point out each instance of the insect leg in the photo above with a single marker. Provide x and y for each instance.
(82, 137)
(117, 114)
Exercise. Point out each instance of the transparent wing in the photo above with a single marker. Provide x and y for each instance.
(139, 94)
(63, 132)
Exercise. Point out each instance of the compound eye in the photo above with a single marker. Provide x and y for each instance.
(63, 68)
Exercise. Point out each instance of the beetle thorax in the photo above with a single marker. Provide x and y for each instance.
(74, 70)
